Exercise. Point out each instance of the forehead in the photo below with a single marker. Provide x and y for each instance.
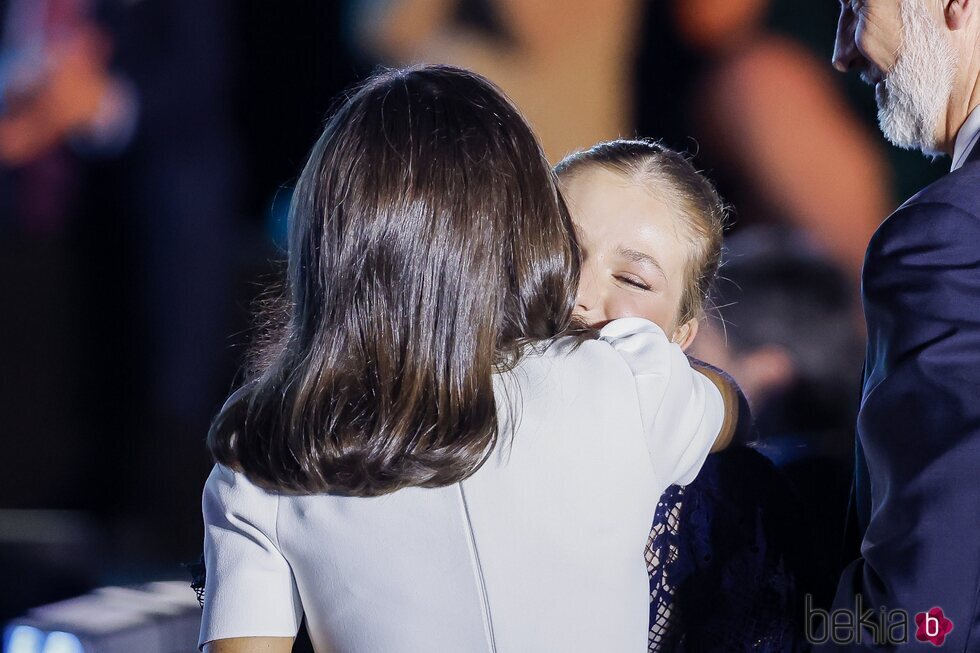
(612, 211)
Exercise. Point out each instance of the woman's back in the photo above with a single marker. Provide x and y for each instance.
(540, 550)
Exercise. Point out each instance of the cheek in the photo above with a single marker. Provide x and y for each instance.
(864, 41)
(878, 40)
(653, 307)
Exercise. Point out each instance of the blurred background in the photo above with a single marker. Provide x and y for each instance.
(147, 150)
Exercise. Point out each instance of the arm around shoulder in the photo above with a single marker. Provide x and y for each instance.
(731, 396)
(250, 645)
(682, 412)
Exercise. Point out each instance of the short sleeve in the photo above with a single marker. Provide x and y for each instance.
(250, 590)
(681, 410)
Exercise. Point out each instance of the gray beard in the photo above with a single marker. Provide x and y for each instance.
(913, 98)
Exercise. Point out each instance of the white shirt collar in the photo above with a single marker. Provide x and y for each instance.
(966, 139)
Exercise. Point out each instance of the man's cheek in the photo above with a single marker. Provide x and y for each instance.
(875, 48)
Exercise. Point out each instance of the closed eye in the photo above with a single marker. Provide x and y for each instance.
(634, 282)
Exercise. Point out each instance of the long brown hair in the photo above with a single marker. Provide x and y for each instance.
(427, 245)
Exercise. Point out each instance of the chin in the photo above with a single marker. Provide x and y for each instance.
(913, 97)
(910, 121)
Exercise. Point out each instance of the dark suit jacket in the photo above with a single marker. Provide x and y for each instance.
(917, 483)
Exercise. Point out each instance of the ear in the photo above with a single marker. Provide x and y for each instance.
(958, 13)
(685, 334)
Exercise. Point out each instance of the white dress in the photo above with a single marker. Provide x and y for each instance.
(540, 550)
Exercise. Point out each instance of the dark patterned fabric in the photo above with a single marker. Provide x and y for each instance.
(723, 562)
(198, 573)
(663, 548)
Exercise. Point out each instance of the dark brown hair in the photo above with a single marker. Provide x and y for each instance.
(671, 177)
(427, 245)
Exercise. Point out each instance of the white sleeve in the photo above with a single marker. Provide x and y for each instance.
(682, 411)
(249, 589)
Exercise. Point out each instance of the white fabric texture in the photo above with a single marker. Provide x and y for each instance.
(541, 550)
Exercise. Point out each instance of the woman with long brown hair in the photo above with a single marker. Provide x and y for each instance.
(427, 457)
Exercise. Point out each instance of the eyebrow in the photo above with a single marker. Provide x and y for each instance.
(636, 256)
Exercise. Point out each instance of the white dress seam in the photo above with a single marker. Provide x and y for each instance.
(475, 555)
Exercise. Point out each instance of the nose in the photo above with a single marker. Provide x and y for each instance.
(588, 302)
(845, 49)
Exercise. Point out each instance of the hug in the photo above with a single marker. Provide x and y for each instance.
(466, 428)
(447, 447)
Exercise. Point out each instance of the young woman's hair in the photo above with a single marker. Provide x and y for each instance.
(673, 179)
(427, 245)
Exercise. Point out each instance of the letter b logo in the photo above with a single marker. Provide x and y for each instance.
(932, 626)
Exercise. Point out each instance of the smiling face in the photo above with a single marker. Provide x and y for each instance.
(901, 47)
(636, 252)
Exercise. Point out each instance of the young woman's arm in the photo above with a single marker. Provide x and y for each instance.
(250, 645)
(729, 394)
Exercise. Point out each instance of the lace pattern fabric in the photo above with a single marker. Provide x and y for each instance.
(198, 576)
(662, 553)
(722, 569)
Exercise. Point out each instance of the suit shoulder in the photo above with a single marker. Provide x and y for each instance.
(960, 189)
(924, 237)
(928, 220)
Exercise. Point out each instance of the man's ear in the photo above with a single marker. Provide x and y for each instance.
(685, 334)
(958, 13)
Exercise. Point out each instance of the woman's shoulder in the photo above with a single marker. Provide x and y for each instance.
(229, 479)
(229, 495)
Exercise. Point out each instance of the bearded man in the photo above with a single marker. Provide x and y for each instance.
(917, 484)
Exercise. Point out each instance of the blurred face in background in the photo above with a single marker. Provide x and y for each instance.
(712, 24)
(635, 253)
(546, 24)
(760, 372)
(902, 48)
